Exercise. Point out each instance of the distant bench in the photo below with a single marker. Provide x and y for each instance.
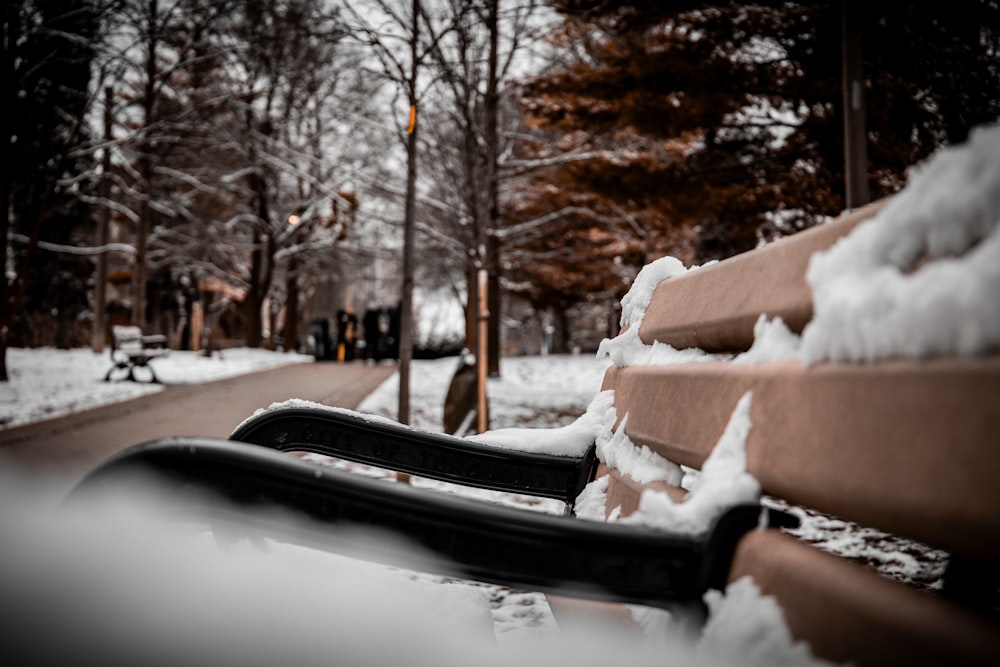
(907, 446)
(131, 349)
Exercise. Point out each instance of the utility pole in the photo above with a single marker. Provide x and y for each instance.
(855, 131)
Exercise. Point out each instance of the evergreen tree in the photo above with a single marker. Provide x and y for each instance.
(46, 60)
(706, 128)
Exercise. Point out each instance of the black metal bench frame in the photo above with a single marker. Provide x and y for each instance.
(483, 541)
(383, 443)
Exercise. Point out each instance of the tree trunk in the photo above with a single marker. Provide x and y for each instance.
(291, 332)
(562, 337)
(492, 259)
(141, 238)
(6, 313)
(494, 305)
(254, 301)
(98, 335)
(261, 263)
(406, 305)
(145, 172)
(470, 307)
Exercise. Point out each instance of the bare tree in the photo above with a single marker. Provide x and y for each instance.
(253, 107)
(475, 61)
(150, 48)
(394, 35)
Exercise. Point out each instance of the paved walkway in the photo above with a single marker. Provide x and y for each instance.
(72, 445)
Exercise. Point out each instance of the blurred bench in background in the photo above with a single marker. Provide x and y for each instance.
(131, 349)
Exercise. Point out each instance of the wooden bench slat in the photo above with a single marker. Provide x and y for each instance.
(849, 613)
(852, 440)
(715, 307)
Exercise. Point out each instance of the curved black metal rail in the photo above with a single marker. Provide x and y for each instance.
(477, 540)
(436, 456)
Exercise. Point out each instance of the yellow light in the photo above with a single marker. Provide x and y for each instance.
(293, 219)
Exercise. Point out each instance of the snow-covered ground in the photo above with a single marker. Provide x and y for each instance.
(47, 383)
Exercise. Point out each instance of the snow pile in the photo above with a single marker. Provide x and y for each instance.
(313, 405)
(627, 349)
(723, 483)
(922, 277)
(640, 463)
(772, 340)
(746, 628)
(571, 440)
(743, 628)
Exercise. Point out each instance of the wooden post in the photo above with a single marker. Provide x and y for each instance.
(482, 365)
(197, 324)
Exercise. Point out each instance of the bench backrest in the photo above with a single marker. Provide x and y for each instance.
(905, 446)
(716, 307)
(129, 338)
(122, 333)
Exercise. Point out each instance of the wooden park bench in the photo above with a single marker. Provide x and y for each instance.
(907, 446)
(131, 349)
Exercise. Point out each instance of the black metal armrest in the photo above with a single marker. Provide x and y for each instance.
(478, 540)
(382, 443)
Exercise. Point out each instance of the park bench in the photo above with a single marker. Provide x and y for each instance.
(131, 349)
(906, 446)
